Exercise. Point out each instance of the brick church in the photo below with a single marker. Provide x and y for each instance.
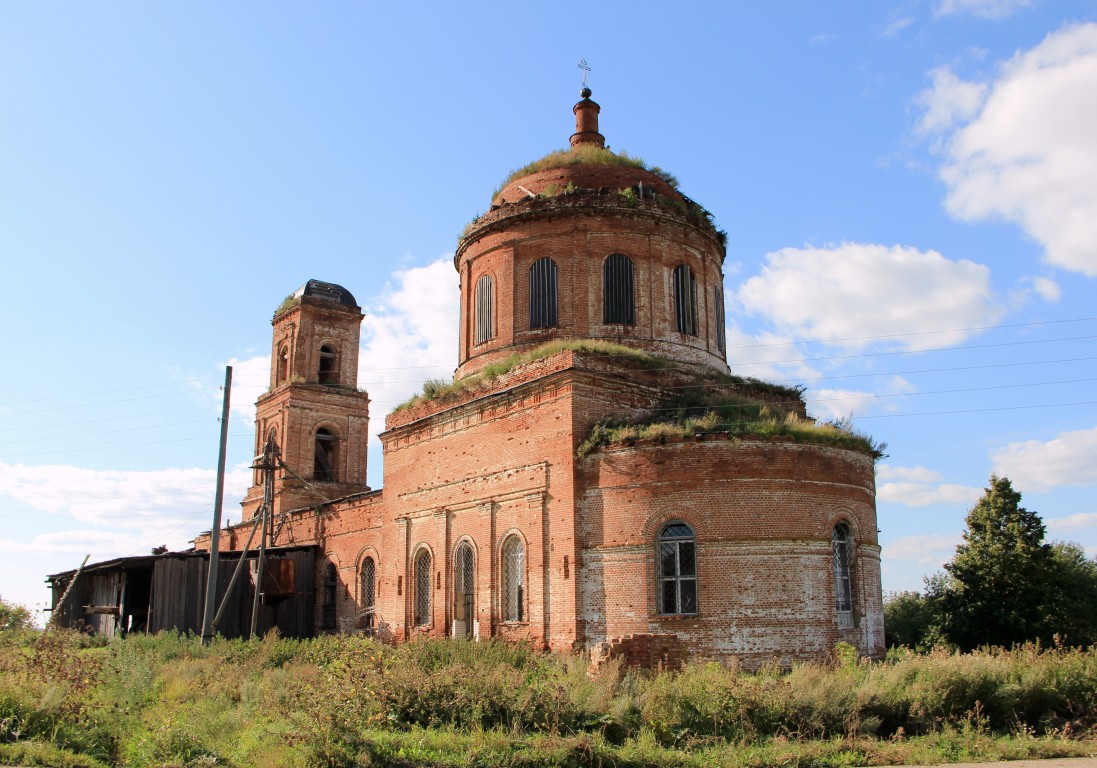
(595, 478)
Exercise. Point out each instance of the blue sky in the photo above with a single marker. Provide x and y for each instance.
(908, 190)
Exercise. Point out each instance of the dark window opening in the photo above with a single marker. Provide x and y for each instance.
(328, 373)
(677, 570)
(331, 581)
(514, 579)
(721, 340)
(281, 366)
(326, 443)
(842, 544)
(618, 290)
(485, 320)
(685, 300)
(542, 294)
(422, 616)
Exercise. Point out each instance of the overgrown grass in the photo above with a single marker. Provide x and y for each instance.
(440, 388)
(343, 701)
(584, 154)
(289, 302)
(736, 419)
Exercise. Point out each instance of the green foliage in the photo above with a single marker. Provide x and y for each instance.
(289, 302)
(15, 617)
(584, 154)
(168, 700)
(908, 620)
(1007, 586)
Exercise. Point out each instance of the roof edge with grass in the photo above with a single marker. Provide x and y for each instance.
(584, 154)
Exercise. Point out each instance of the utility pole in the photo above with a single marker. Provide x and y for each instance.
(215, 533)
(269, 464)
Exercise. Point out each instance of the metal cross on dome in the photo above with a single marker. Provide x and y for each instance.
(583, 66)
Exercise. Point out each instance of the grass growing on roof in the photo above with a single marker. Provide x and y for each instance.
(585, 155)
(438, 388)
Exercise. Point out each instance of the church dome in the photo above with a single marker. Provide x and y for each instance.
(586, 243)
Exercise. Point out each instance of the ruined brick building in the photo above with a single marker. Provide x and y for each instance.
(595, 478)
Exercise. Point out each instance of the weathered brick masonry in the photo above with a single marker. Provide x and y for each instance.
(495, 518)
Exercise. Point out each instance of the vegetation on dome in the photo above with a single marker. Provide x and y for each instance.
(289, 302)
(735, 418)
(434, 389)
(585, 154)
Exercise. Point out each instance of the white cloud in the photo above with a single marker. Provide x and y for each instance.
(917, 474)
(879, 290)
(1035, 465)
(934, 549)
(769, 356)
(987, 9)
(1075, 522)
(131, 511)
(837, 403)
(409, 334)
(250, 379)
(1028, 154)
(948, 100)
(920, 486)
(896, 25)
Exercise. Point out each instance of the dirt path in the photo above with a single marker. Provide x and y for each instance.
(1060, 762)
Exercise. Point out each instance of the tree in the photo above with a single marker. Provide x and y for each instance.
(1073, 577)
(997, 593)
(908, 619)
(14, 616)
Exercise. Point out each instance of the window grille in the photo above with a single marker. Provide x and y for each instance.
(685, 300)
(514, 577)
(422, 589)
(618, 290)
(485, 320)
(677, 570)
(369, 594)
(718, 303)
(328, 373)
(842, 544)
(542, 294)
(324, 469)
(464, 613)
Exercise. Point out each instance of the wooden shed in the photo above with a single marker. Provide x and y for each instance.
(166, 592)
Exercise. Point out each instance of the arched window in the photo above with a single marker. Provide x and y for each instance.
(369, 595)
(718, 303)
(677, 569)
(281, 365)
(325, 454)
(485, 315)
(514, 579)
(328, 373)
(618, 290)
(542, 294)
(331, 582)
(842, 543)
(464, 593)
(422, 616)
(685, 300)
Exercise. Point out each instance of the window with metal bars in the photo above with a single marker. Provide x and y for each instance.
(325, 455)
(676, 555)
(542, 294)
(842, 544)
(685, 300)
(422, 616)
(718, 303)
(369, 595)
(618, 290)
(485, 310)
(464, 594)
(514, 579)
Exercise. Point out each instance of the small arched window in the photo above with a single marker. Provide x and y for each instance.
(618, 290)
(485, 310)
(685, 300)
(331, 583)
(842, 543)
(464, 592)
(325, 455)
(542, 294)
(718, 303)
(676, 551)
(369, 595)
(514, 579)
(328, 373)
(281, 365)
(422, 617)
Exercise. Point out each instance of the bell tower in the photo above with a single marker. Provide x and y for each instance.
(313, 409)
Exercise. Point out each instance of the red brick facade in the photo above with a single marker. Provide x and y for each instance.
(564, 550)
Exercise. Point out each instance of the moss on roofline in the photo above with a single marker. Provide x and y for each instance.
(584, 155)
